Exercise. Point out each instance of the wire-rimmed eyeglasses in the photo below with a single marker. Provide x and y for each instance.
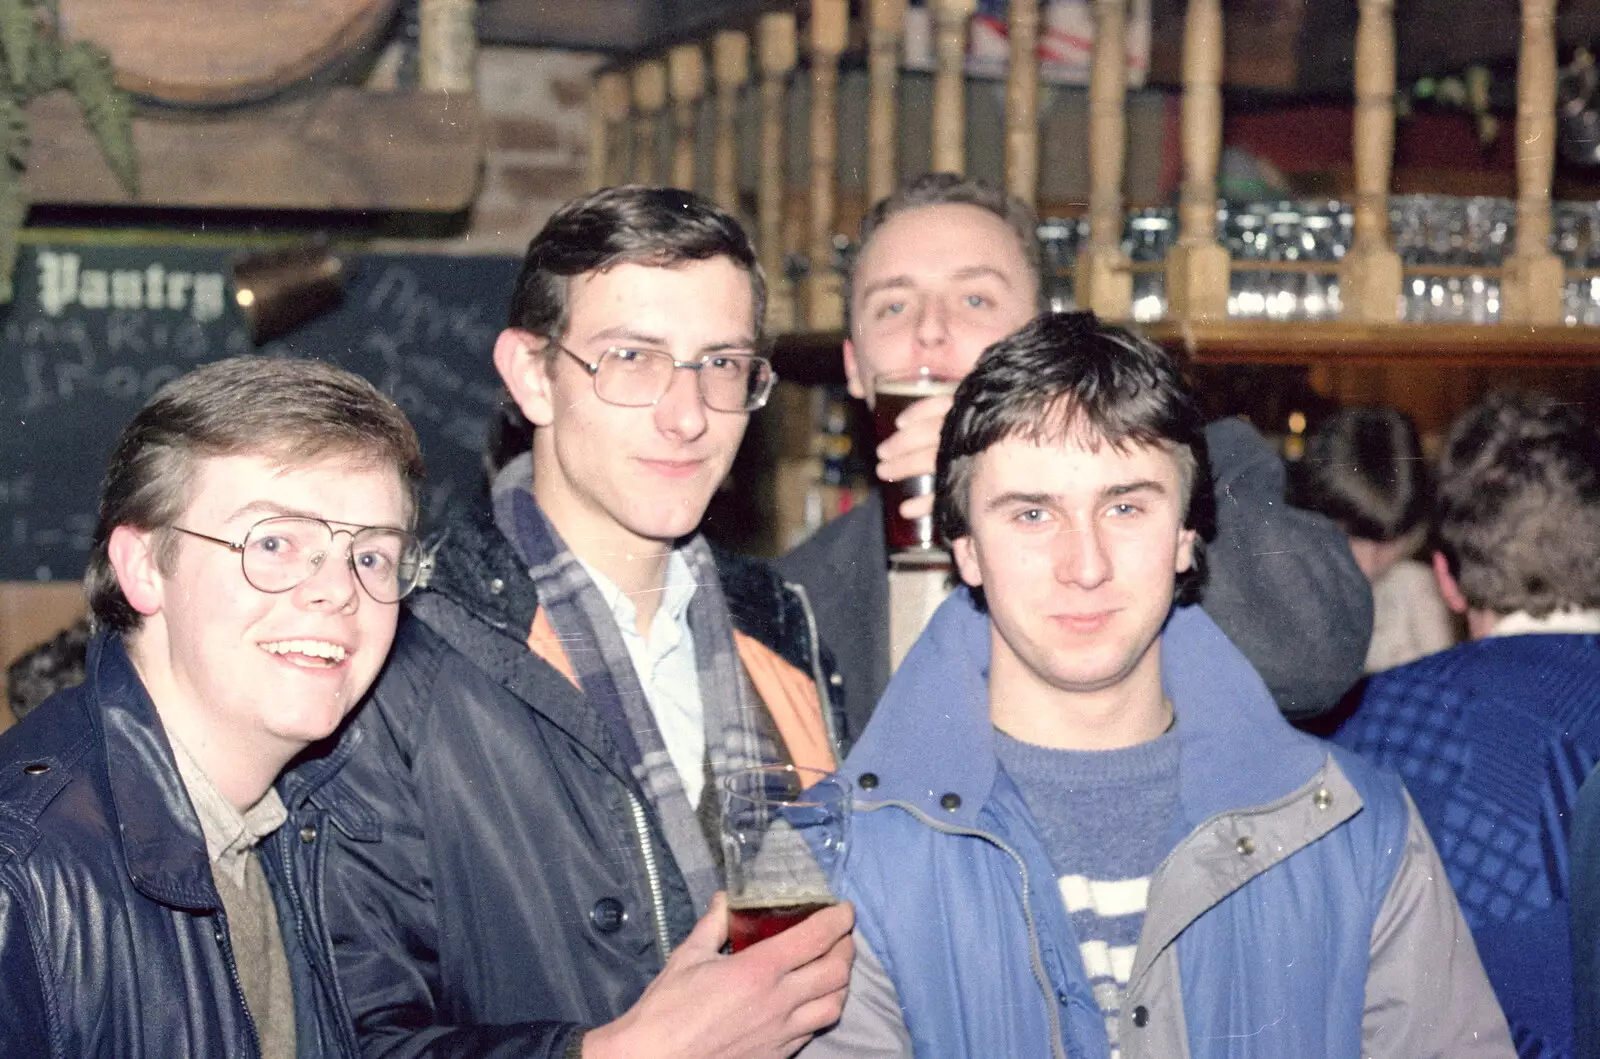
(283, 552)
(638, 377)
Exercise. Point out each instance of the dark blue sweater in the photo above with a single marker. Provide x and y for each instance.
(1493, 739)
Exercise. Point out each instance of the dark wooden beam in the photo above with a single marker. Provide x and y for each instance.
(342, 149)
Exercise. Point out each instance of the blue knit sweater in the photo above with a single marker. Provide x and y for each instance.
(1494, 739)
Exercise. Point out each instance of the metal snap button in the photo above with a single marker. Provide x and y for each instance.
(1246, 846)
(608, 915)
(1322, 799)
(950, 801)
(867, 781)
(496, 586)
(1141, 1016)
(36, 768)
(308, 834)
(835, 679)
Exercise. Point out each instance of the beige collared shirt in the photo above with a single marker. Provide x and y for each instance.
(232, 838)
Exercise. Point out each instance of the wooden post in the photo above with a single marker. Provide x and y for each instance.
(447, 45)
(950, 84)
(1369, 278)
(830, 22)
(649, 96)
(885, 31)
(778, 56)
(731, 59)
(1103, 282)
(607, 143)
(1197, 268)
(1022, 103)
(1531, 288)
(686, 76)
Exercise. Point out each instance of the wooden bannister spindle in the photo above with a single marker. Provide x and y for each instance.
(886, 24)
(608, 147)
(686, 74)
(649, 97)
(731, 59)
(1197, 268)
(1103, 281)
(447, 45)
(1369, 278)
(1532, 286)
(950, 84)
(1022, 102)
(830, 23)
(779, 52)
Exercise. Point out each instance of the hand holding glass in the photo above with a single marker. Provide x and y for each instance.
(892, 394)
(784, 831)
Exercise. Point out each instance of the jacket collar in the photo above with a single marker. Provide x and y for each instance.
(476, 567)
(931, 736)
(161, 837)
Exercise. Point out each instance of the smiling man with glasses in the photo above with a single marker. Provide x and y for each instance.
(160, 873)
(577, 673)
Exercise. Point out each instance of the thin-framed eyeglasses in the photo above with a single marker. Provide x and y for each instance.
(283, 552)
(638, 377)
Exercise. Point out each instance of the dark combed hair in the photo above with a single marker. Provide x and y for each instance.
(612, 226)
(1066, 373)
(1365, 471)
(290, 410)
(951, 189)
(1519, 505)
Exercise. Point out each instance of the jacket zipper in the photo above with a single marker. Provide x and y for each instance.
(1039, 974)
(817, 676)
(652, 873)
(219, 920)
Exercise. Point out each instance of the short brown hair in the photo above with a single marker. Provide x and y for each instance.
(295, 411)
(645, 225)
(951, 189)
(1519, 505)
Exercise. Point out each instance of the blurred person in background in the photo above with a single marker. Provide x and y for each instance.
(1494, 737)
(1365, 470)
(46, 668)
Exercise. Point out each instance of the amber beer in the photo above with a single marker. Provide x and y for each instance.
(760, 921)
(893, 394)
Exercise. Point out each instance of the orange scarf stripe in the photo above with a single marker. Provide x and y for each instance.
(789, 695)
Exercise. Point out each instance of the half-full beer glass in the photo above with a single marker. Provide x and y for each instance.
(908, 540)
(784, 830)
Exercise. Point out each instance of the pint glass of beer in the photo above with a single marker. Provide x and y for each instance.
(784, 830)
(892, 394)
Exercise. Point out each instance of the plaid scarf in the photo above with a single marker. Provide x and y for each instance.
(738, 731)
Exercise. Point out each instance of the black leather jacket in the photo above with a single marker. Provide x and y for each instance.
(112, 936)
(521, 886)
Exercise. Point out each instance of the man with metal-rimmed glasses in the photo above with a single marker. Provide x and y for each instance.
(577, 673)
(161, 880)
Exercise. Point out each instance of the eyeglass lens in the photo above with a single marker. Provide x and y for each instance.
(732, 382)
(280, 553)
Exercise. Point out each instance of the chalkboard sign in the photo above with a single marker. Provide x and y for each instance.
(95, 330)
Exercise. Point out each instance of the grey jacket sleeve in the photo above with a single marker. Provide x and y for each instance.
(1281, 582)
(1427, 994)
(870, 1026)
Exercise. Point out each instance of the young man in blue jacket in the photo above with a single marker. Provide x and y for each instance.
(160, 885)
(1082, 828)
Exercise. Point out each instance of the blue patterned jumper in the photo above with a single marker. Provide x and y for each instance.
(1493, 739)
